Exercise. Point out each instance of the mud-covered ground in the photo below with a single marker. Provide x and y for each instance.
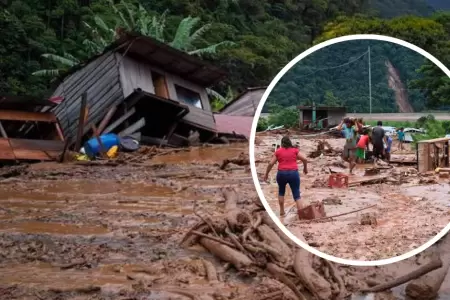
(410, 208)
(113, 232)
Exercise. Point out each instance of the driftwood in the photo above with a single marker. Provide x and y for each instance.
(427, 286)
(436, 263)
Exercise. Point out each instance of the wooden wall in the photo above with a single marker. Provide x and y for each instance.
(135, 74)
(100, 78)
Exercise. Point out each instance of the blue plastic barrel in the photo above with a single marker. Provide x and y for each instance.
(92, 147)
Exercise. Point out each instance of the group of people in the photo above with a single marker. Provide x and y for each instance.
(356, 149)
(358, 139)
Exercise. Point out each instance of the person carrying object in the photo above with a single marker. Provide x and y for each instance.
(351, 128)
(288, 174)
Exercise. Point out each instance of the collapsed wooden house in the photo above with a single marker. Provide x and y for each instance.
(143, 88)
(26, 132)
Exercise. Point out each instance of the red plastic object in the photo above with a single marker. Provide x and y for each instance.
(338, 181)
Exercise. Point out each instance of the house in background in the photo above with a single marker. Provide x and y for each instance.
(329, 116)
(157, 91)
(236, 118)
(244, 104)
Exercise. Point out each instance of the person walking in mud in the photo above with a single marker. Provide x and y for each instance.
(379, 141)
(287, 156)
(401, 138)
(351, 129)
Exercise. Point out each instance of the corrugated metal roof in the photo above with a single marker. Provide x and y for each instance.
(323, 108)
(163, 56)
(246, 103)
(234, 124)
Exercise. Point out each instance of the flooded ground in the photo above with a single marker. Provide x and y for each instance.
(70, 230)
(113, 232)
(408, 211)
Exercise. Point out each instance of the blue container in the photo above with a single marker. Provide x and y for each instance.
(92, 147)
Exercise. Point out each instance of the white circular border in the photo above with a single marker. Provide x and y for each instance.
(252, 150)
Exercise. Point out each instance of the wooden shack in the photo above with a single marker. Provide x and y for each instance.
(160, 90)
(432, 154)
(245, 104)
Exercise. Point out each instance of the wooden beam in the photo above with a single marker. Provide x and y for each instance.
(107, 119)
(81, 121)
(15, 115)
(119, 121)
(133, 128)
(3, 132)
(59, 131)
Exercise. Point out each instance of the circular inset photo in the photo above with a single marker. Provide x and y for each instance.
(350, 156)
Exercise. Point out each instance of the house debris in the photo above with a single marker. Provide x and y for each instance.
(26, 133)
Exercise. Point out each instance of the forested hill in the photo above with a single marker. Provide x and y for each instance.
(47, 37)
(439, 4)
(395, 8)
(339, 75)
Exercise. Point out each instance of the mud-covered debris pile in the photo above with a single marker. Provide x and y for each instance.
(248, 240)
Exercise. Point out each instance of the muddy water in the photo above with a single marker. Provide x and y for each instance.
(202, 154)
(111, 225)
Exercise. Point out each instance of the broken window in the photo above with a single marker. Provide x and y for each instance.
(189, 97)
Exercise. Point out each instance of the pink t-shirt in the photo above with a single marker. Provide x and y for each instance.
(287, 159)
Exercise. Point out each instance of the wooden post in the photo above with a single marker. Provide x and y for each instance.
(81, 121)
(59, 131)
(2, 131)
(101, 146)
(106, 119)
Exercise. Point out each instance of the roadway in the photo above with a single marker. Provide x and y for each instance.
(441, 116)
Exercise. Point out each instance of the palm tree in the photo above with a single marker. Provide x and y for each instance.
(63, 63)
(138, 19)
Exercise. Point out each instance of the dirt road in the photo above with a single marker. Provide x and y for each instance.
(408, 212)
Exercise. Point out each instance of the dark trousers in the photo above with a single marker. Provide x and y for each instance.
(291, 177)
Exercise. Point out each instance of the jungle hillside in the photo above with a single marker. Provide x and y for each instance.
(251, 40)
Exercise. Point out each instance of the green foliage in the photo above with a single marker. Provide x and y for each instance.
(262, 125)
(338, 76)
(287, 117)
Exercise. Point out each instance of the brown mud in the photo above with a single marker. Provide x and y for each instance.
(70, 231)
(410, 209)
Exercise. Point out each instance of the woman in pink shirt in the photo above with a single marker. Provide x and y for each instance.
(287, 156)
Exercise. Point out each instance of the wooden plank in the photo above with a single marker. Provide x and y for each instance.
(44, 145)
(133, 128)
(14, 115)
(439, 140)
(6, 152)
(137, 136)
(81, 121)
(59, 131)
(119, 121)
(27, 154)
(107, 119)
(374, 179)
(2, 131)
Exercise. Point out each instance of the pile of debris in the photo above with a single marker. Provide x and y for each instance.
(246, 239)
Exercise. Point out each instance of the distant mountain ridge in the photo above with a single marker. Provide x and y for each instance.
(439, 4)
